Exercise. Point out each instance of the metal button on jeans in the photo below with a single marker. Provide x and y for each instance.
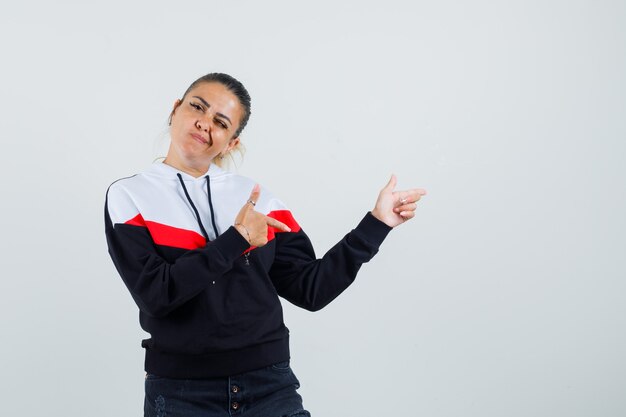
(235, 405)
(234, 389)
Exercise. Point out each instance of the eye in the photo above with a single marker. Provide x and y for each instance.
(222, 124)
(196, 106)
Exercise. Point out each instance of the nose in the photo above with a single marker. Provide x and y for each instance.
(203, 125)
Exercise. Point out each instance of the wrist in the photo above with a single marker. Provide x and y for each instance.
(377, 214)
(243, 230)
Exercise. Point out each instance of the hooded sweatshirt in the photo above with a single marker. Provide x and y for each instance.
(209, 301)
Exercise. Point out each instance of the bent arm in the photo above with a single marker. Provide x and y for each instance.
(157, 286)
(313, 283)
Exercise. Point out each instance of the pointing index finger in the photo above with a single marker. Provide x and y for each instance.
(275, 223)
(410, 196)
(415, 192)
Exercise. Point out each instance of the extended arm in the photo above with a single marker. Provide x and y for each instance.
(313, 283)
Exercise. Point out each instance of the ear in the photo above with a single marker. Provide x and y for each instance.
(232, 144)
(177, 103)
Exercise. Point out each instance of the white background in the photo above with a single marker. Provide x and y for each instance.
(506, 296)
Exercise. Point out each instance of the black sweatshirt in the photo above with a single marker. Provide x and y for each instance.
(208, 300)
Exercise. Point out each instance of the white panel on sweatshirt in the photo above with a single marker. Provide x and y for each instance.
(158, 195)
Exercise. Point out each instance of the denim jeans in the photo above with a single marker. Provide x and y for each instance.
(267, 392)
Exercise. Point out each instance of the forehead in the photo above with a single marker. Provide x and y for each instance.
(218, 97)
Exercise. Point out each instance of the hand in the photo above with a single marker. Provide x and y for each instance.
(396, 207)
(253, 225)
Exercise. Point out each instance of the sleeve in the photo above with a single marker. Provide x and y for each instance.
(313, 283)
(157, 286)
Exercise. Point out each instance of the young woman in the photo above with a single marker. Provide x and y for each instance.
(205, 255)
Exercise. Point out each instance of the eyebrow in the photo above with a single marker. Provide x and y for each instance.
(208, 105)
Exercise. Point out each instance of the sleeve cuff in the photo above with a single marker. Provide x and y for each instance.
(231, 244)
(372, 230)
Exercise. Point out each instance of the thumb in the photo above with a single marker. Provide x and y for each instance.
(391, 184)
(254, 195)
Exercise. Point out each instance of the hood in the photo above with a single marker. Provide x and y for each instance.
(213, 174)
(164, 171)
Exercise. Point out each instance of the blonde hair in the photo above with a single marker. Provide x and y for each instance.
(224, 161)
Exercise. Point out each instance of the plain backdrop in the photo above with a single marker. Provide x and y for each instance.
(505, 296)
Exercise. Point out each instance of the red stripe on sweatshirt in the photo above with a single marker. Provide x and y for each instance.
(165, 235)
(283, 216)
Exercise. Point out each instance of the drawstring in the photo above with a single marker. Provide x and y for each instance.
(208, 192)
(195, 210)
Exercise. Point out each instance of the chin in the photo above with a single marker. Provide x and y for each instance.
(195, 149)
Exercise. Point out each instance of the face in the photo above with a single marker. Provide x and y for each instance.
(203, 124)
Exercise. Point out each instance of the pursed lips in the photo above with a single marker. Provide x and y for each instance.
(200, 139)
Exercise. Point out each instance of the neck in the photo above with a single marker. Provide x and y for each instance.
(195, 170)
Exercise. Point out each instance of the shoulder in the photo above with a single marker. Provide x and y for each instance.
(120, 187)
(237, 184)
(147, 182)
(122, 195)
(124, 188)
(267, 201)
(121, 182)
